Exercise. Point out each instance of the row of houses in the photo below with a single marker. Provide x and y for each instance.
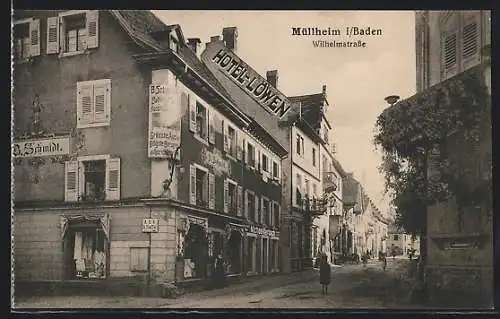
(138, 153)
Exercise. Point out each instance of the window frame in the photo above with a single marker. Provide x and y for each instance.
(30, 56)
(207, 171)
(62, 32)
(80, 123)
(205, 126)
(235, 184)
(233, 145)
(251, 155)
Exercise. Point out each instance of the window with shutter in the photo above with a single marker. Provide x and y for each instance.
(211, 128)
(93, 103)
(35, 37)
(192, 112)
(226, 195)
(245, 207)
(257, 215)
(192, 185)
(52, 35)
(471, 40)
(239, 201)
(113, 179)
(26, 39)
(92, 26)
(71, 181)
(211, 186)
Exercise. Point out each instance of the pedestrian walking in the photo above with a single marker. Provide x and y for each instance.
(324, 274)
(384, 261)
(219, 272)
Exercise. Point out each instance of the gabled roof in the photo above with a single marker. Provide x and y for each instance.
(142, 25)
(311, 107)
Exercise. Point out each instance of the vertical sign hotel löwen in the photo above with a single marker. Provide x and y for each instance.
(164, 121)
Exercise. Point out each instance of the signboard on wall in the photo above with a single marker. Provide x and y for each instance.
(164, 134)
(216, 160)
(150, 225)
(262, 231)
(55, 146)
(251, 82)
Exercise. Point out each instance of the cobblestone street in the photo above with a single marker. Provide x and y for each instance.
(353, 286)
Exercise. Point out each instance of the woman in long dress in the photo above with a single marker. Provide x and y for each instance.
(324, 274)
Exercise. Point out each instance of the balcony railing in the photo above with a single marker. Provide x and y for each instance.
(330, 182)
(314, 206)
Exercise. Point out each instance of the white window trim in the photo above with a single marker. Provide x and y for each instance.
(269, 210)
(254, 159)
(68, 14)
(228, 125)
(93, 157)
(28, 59)
(207, 119)
(201, 168)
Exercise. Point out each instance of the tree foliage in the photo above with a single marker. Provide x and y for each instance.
(436, 146)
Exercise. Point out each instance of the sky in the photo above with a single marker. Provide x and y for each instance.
(357, 79)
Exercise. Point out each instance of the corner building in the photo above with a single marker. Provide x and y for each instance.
(104, 188)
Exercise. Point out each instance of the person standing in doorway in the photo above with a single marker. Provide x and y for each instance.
(324, 274)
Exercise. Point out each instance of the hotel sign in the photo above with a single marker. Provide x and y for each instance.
(55, 146)
(271, 100)
(165, 114)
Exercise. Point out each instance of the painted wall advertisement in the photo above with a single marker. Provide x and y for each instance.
(55, 146)
(165, 114)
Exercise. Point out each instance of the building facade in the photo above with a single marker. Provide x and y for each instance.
(131, 158)
(450, 50)
(400, 243)
(297, 123)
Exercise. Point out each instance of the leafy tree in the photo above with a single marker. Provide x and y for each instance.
(437, 147)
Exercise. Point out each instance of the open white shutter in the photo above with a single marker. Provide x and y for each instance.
(256, 212)
(239, 201)
(245, 208)
(192, 112)
(471, 40)
(52, 35)
(102, 100)
(35, 37)
(192, 185)
(92, 29)
(211, 127)
(239, 146)
(85, 103)
(205, 190)
(211, 191)
(262, 217)
(71, 181)
(113, 179)
(245, 153)
(255, 157)
(225, 133)
(226, 196)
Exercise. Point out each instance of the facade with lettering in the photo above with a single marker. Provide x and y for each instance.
(109, 186)
(298, 132)
(452, 48)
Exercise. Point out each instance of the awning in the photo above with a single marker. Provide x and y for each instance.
(67, 220)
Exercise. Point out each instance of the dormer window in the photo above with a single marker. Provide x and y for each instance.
(174, 44)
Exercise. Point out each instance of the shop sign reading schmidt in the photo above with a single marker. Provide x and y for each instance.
(272, 100)
(41, 147)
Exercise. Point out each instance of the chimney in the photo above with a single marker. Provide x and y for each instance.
(195, 45)
(272, 77)
(229, 35)
(324, 89)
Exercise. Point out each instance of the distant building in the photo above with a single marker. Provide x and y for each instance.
(401, 243)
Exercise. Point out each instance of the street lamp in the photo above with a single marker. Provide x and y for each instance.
(392, 99)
